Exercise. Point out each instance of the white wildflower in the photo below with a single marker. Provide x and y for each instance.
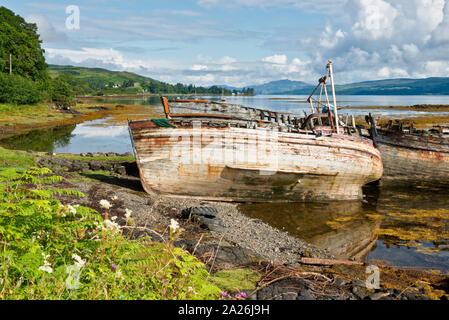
(47, 269)
(47, 266)
(118, 274)
(128, 214)
(114, 218)
(79, 262)
(72, 210)
(105, 204)
(114, 198)
(112, 226)
(174, 225)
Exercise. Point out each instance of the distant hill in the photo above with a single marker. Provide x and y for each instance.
(98, 78)
(98, 81)
(428, 86)
(272, 87)
(280, 86)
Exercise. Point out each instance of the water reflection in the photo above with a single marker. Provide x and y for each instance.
(415, 226)
(343, 228)
(401, 226)
(43, 140)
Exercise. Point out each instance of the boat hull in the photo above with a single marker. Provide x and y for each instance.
(411, 158)
(252, 165)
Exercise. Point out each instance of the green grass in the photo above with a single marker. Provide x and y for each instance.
(20, 109)
(15, 159)
(229, 280)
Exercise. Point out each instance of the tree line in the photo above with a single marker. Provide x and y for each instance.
(96, 85)
(24, 78)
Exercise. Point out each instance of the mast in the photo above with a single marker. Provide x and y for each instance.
(329, 66)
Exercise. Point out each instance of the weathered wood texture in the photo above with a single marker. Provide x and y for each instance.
(409, 157)
(238, 164)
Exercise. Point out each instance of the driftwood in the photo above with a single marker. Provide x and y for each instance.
(329, 262)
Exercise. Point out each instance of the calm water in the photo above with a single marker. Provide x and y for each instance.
(404, 227)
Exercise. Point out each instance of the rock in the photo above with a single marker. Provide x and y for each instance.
(78, 166)
(378, 295)
(278, 289)
(111, 154)
(340, 282)
(121, 170)
(289, 296)
(305, 295)
(107, 166)
(360, 292)
(208, 212)
(409, 296)
(252, 297)
(127, 154)
(95, 165)
(357, 283)
(205, 216)
(98, 154)
(84, 155)
(211, 224)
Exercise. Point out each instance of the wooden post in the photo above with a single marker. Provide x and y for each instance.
(333, 94)
(10, 64)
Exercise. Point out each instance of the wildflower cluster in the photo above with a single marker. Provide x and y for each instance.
(67, 251)
(238, 296)
(47, 266)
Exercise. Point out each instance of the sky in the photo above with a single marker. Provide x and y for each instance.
(246, 42)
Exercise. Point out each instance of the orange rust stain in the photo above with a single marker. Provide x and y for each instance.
(213, 171)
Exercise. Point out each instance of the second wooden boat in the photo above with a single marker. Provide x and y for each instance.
(411, 155)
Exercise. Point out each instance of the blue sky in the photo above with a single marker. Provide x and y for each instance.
(247, 42)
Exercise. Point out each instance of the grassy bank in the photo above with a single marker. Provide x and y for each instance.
(54, 248)
(16, 119)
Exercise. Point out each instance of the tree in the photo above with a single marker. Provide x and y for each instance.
(62, 94)
(18, 90)
(21, 40)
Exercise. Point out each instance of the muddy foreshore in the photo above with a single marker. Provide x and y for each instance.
(224, 238)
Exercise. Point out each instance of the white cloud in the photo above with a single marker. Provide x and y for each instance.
(198, 67)
(96, 132)
(276, 59)
(46, 30)
(375, 19)
(377, 39)
(330, 38)
(227, 60)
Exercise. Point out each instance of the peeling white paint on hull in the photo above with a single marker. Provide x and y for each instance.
(252, 165)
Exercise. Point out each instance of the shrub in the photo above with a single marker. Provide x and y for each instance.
(18, 90)
(62, 94)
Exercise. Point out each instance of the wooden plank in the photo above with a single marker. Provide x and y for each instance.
(199, 115)
(329, 262)
(190, 100)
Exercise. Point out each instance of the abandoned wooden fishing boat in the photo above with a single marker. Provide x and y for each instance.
(412, 155)
(271, 157)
